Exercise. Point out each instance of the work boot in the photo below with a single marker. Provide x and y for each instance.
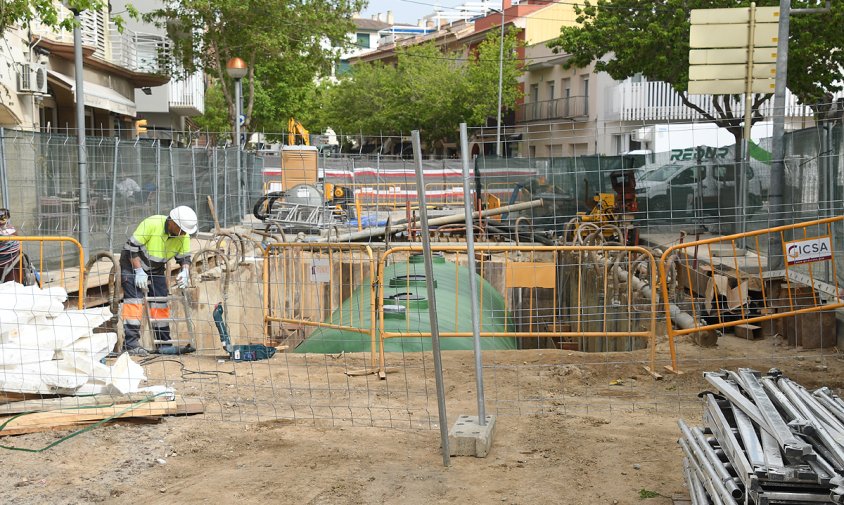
(138, 351)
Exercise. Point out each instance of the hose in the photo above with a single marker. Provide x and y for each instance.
(114, 280)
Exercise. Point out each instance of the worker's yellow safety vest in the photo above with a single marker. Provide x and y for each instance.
(155, 246)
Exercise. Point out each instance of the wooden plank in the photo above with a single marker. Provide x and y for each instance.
(69, 418)
(747, 331)
(70, 402)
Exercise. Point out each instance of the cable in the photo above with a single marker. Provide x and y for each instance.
(186, 372)
(78, 432)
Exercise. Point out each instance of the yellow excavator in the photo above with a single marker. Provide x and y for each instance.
(297, 134)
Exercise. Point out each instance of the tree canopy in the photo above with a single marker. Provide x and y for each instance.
(629, 37)
(426, 90)
(284, 43)
(13, 12)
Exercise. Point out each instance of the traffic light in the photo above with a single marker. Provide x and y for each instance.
(140, 127)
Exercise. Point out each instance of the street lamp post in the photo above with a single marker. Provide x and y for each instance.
(237, 69)
(500, 87)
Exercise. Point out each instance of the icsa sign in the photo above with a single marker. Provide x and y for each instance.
(808, 250)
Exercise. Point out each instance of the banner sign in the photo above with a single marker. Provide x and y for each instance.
(808, 250)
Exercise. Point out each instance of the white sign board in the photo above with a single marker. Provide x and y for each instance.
(719, 56)
(808, 250)
(320, 270)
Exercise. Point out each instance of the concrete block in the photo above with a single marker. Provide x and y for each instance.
(468, 438)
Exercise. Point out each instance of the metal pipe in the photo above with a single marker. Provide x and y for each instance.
(432, 297)
(678, 317)
(696, 491)
(698, 443)
(473, 281)
(710, 479)
(81, 148)
(238, 91)
(454, 218)
(498, 150)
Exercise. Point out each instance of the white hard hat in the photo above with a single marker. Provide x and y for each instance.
(185, 218)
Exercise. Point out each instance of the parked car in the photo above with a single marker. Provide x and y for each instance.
(681, 187)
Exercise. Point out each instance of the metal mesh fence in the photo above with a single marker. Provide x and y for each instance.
(127, 181)
(270, 297)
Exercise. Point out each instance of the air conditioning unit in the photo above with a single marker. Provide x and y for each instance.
(32, 79)
(645, 134)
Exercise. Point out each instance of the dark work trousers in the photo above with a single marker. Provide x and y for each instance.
(133, 302)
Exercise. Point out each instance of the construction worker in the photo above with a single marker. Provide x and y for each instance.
(143, 271)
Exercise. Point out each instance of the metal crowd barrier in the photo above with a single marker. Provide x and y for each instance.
(306, 284)
(49, 267)
(725, 285)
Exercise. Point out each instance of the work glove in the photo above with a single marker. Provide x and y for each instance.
(141, 279)
(183, 277)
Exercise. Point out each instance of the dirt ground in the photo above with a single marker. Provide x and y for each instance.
(571, 428)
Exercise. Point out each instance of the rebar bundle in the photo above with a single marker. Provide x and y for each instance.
(766, 440)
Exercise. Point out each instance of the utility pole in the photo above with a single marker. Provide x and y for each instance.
(81, 150)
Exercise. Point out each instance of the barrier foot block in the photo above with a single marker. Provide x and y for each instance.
(656, 375)
(675, 371)
(468, 438)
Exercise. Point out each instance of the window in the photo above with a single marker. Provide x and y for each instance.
(362, 40)
(687, 176)
(550, 86)
(534, 93)
(585, 87)
(343, 67)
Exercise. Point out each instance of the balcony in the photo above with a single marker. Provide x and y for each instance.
(187, 96)
(657, 101)
(560, 108)
(141, 52)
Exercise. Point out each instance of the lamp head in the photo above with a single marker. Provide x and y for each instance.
(236, 68)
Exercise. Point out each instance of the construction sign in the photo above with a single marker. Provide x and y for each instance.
(808, 250)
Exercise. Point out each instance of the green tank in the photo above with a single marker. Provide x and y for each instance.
(406, 312)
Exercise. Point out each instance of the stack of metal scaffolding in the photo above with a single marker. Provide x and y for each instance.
(766, 440)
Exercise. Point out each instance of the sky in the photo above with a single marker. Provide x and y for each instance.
(407, 12)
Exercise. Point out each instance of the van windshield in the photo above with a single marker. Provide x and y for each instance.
(661, 174)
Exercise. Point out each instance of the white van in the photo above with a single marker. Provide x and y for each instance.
(677, 187)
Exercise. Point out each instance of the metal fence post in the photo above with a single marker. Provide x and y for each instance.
(214, 188)
(473, 282)
(5, 179)
(225, 187)
(172, 176)
(193, 178)
(432, 298)
(158, 177)
(113, 197)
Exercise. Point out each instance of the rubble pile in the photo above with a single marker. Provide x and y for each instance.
(766, 440)
(45, 349)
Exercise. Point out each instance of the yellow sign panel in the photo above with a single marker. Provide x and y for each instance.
(526, 274)
(707, 72)
(730, 86)
(739, 15)
(731, 56)
(717, 36)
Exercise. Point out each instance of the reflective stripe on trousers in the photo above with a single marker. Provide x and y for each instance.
(133, 308)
